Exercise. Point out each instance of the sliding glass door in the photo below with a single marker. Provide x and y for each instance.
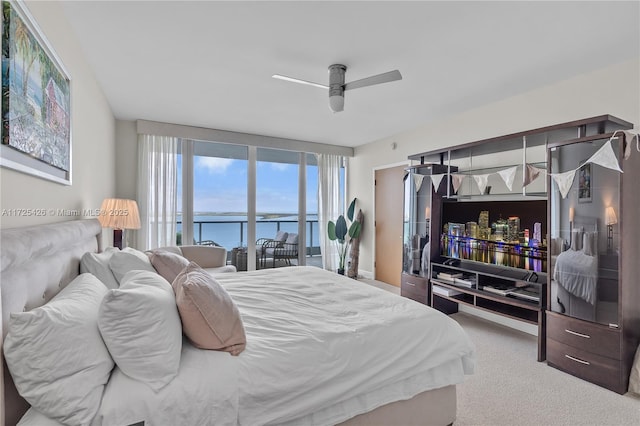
(214, 199)
(213, 195)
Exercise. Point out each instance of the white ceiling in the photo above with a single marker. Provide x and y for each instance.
(209, 64)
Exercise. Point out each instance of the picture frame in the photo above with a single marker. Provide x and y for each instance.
(585, 182)
(36, 100)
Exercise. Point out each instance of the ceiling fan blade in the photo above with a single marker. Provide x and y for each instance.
(297, 80)
(375, 79)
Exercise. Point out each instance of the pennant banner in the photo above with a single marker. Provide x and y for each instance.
(417, 179)
(508, 175)
(456, 181)
(630, 137)
(531, 173)
(435, 180)
(605, 157)
(564, 181)
(482, 181)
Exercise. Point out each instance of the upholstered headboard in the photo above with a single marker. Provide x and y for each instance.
(36, 263)
(587, 223)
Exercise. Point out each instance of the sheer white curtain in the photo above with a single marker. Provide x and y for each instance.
(328, 205)
(157, 186)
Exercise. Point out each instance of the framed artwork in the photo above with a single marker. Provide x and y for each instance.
(585, 183)
(36, 94)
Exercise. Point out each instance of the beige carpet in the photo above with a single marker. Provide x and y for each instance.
(511, 388)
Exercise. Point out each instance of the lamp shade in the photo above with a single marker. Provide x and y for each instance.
(610, 216)
(119, 213)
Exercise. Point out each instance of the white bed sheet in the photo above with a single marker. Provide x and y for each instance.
(578, 274)
(321, 348)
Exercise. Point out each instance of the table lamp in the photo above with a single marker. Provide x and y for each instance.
(119, 214)
(572, 215)
(610, 219)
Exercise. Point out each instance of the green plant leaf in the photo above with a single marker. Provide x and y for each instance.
(341, 228)
(351, 210)
(354, 229)
(331, 230)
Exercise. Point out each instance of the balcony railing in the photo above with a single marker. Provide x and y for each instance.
(233, 233)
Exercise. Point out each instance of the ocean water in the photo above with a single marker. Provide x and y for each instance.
(231, 231)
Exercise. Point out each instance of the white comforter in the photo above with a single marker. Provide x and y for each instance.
(578, 274)
(321, 348)
(315, 339)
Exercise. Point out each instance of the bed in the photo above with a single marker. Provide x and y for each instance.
(576, 271)
(321, 348)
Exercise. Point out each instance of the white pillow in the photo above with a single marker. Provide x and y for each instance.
(34, 417)
(281, 236)
(98, 265)
(129, 259)
(56, 355)
(576, 239)
(590, 243)
(141, 327)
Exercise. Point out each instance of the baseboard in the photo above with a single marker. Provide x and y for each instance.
(508, 322)
(365, 274)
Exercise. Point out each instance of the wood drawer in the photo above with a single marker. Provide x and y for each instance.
(590, 337)
(414, 284)
(594, 368)
(418, 297)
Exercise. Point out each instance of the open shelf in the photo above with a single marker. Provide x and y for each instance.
(474, 279)
(510, 300)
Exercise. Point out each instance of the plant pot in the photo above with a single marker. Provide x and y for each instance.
(341, 271)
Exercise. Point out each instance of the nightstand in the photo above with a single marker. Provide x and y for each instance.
(608, 277)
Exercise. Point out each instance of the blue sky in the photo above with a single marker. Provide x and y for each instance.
(220, 185)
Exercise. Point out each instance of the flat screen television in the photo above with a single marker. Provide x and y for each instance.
(511, 233)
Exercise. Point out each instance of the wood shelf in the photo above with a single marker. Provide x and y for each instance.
(530, 312)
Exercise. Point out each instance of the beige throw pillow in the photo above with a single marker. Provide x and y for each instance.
(210, 318)
(167, 264)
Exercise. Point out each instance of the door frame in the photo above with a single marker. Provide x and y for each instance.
(406, 163)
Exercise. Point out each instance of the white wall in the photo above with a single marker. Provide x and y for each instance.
(93, 133)
(612, 90)
(127, 159)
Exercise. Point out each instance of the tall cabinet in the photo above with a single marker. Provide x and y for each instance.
(593, 308)
(421, 236)
(507, 241)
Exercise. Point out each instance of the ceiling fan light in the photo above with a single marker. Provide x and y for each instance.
(336, 103)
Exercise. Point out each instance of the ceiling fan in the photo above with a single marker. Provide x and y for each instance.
(337, 86)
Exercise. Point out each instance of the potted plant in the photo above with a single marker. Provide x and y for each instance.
(342, 234)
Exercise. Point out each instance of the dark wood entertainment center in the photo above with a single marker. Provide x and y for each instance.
(451, 260)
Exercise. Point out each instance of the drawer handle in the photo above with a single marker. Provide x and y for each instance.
(577, 360)
(575, 333)
(411, 284)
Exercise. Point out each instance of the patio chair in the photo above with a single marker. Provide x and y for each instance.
(284, 246)
(263, 244)
(287, 251)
